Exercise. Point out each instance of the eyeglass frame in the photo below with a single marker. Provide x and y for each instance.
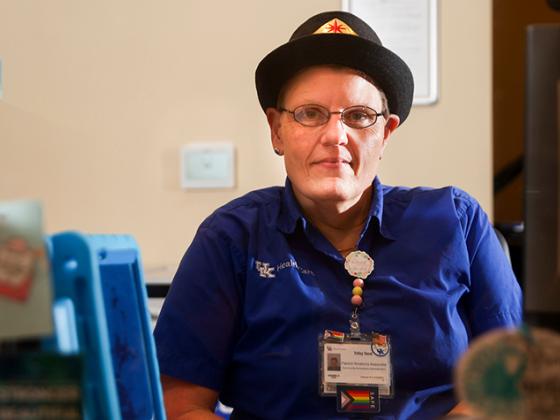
(374, 112)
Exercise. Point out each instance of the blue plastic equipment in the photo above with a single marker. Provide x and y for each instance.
(100, 311)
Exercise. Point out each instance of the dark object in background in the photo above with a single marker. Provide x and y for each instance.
(513, 234)
(542, 176)
(555, 4)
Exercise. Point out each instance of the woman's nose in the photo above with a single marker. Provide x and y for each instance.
(335, 131)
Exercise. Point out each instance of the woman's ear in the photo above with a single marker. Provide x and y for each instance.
(273, 118)
(391, 125)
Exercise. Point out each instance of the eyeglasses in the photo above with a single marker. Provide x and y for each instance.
(312, 115)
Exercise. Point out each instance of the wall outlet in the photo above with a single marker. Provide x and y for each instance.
(1, 80)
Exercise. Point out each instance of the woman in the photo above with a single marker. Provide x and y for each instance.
(278, 276)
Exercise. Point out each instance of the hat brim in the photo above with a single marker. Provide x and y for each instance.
(386, 68)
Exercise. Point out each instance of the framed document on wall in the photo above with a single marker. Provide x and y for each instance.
(408, 28)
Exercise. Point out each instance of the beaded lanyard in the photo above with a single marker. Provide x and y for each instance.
(359, 265)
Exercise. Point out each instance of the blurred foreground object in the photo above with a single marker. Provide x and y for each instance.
(25, 285)
(512, 374)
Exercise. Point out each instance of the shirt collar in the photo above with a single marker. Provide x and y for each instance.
(376, 210)
(290, 212)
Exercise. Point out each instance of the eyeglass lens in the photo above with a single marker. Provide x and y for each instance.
(354, 116)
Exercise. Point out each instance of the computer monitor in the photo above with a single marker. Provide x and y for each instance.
(542, 176)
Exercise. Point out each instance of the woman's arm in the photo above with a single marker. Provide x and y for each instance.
(460, 410)
(196, 328)
(187, 401)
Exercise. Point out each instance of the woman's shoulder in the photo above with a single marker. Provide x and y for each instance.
(447, 196)
(247, 209)
(256, 198)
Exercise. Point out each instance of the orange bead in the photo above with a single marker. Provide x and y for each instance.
(358, 283)
(357, 300)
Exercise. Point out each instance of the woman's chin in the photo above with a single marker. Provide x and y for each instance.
(333, 189)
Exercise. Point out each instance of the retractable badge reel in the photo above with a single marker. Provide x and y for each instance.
(355, 367)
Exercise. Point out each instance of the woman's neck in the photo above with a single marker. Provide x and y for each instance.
(341, 225)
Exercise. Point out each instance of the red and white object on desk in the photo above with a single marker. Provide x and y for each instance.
(25, 284)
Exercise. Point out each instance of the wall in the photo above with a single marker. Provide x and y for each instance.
(100, 96)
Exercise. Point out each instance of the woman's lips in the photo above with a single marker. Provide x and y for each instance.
(332, 163)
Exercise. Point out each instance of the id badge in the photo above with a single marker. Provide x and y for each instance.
(350, 360)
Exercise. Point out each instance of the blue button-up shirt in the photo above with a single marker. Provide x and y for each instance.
(259, 284)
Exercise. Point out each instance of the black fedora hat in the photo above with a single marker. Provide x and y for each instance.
(338, 38)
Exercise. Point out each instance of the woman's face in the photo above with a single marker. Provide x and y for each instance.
(331, 161)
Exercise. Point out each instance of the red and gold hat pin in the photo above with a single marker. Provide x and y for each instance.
(335, 26)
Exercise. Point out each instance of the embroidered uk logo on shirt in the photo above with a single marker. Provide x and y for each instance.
(264, 269)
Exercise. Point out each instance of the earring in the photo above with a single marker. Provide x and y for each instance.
(278, 152)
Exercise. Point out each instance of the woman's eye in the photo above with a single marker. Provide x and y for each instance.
(358, 116)
(311, 113)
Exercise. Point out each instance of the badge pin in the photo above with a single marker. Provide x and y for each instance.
(335, 26)
(380, 344)
(359, 264)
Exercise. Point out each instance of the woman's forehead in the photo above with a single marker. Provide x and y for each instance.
(324, 82)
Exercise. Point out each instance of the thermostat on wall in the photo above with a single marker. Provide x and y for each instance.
(208, 165)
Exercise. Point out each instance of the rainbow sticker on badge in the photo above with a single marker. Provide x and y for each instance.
(359, 264)
(357, 399)
(331, 335)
